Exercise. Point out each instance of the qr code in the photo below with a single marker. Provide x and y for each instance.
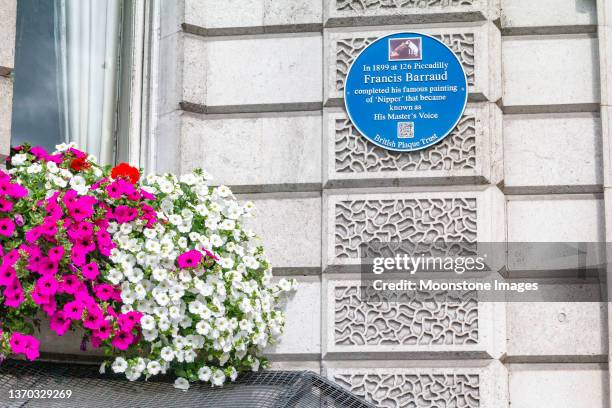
(405, 130)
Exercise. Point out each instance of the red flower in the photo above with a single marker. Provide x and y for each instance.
(78, 164)
(124, 170)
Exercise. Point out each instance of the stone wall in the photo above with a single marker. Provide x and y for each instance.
(8, 12)
(252, 91)
(254, 94)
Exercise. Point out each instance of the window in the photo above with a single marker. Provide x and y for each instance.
(71, 79)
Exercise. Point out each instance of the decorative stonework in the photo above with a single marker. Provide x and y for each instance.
(396, 220)
(434, 221)
(362, 5)
(478, 48)
(355, 154)
(471, 154)
(342, 13)
(348, 49)
(407, 319)
(414, 390)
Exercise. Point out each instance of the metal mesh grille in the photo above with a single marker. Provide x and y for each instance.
(90, 389)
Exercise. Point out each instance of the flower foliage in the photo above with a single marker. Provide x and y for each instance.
(161, 273)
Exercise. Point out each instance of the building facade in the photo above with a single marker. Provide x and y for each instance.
(252, 90)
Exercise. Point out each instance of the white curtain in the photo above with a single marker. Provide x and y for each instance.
(87, 48)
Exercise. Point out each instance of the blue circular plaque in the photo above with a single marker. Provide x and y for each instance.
(405, 91)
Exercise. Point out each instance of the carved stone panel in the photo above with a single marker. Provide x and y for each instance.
(423, 386)
(415, 217)
(369, 12)
(411, 325)
(413, 389)
(477, 47)
(470, 154)
(413, 320)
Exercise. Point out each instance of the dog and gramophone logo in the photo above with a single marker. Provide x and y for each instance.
(405, 49)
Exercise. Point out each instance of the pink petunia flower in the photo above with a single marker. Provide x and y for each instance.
(39, 298)
(95, 341)
(103, 291)
(128, 320)
(122, 339)
(47, 285)
(7, 227)
(6, 205)
(70, 284)
(78, 153)
(23, 344)
(73, 310)
(11, 257)
(33, 235)
(104, 330)
(48, 228)
(13, 297)
(12, 190)
(47, 266)
(82, 208)
(124, 214)
(189, 259)
(59, 323)
(94, 318)
(91, 271)
(7, 275)
(56, 253)
(55, 158)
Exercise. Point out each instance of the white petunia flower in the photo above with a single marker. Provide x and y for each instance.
(153, 367)
(19, 159)
(204, 373)
(34, 168)
(167, 354)
(218, 378)
(147, 322)
(181, 384)
(119, 365)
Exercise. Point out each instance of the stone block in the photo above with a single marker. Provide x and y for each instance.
(196, 70)
(260, 152)
(211, 17)
(471, 154)
(6, 107)
(8, 19)
(171, 93)
(290, 228)
(540, 72)
(302, 336)
(604, 36)
(435, 384)
(557, 331)
(167, 153)
(293, 13)
(295, 365)
(558, 385)
(477, 47)
(371, 12)
(559, 218)
(547, 16)
(184, 60)
(415, 326)
(538, 148)
(256, 74)
(421, 215)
